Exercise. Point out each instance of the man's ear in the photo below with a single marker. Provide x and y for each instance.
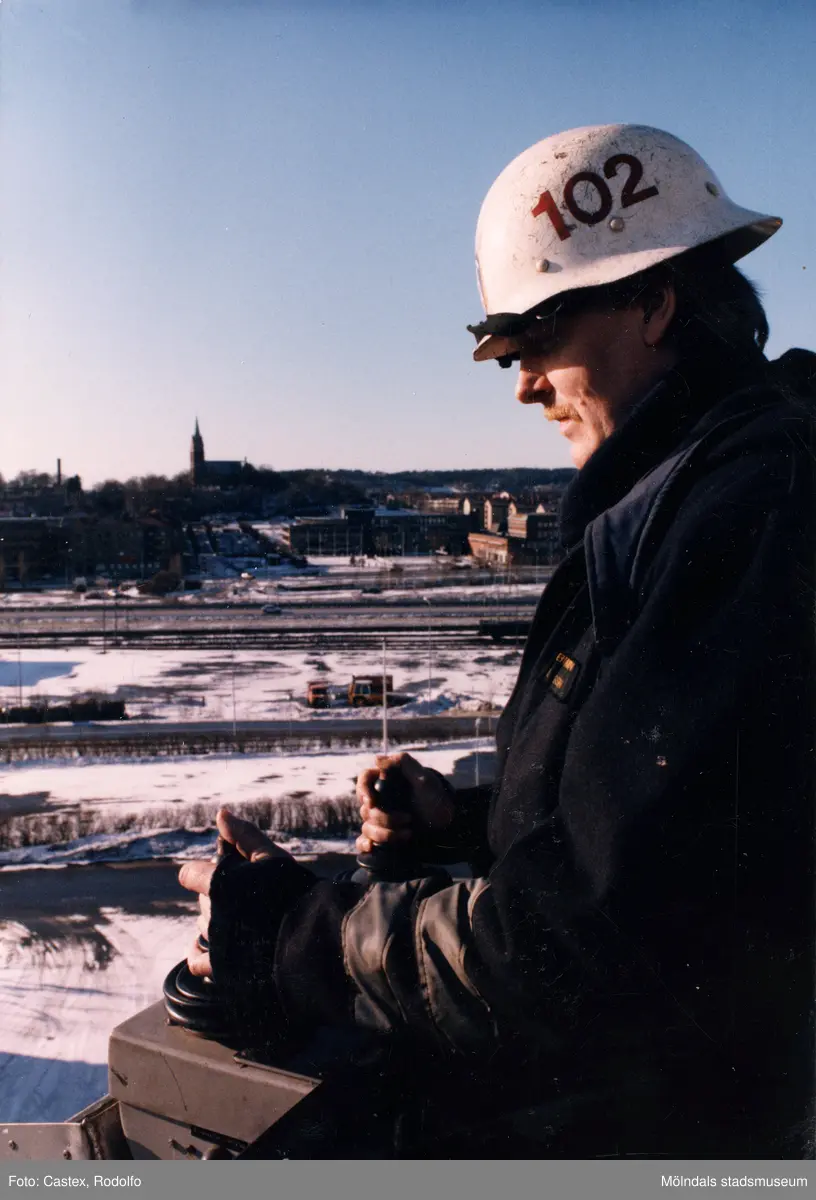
(658, 313)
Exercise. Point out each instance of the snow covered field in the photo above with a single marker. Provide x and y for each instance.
(245, 685)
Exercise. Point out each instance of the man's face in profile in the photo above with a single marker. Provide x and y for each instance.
(587, 370)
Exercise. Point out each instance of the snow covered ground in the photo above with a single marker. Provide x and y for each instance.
(63, 990)
(245, 685)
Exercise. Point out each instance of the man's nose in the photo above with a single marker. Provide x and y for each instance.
(532, 387)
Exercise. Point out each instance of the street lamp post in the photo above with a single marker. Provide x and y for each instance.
(234, 711)
(384, 699)
(430, 651)
(19, 669)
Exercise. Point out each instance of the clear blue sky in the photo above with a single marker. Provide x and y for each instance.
(262, 213)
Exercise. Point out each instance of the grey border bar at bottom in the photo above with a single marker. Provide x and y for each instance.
(529, 1180)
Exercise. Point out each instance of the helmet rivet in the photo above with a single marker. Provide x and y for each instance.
(542, 265)
(617, 224)
(712, 189)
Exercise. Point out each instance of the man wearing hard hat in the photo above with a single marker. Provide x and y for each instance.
(629, 972)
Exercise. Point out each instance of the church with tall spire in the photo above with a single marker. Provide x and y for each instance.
(197, 459)
(213, 473)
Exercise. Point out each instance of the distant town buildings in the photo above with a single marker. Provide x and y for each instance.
(61, 548)
(531, 539)
(206, 525)
(512, 536)
(495, 530)
(384, 531)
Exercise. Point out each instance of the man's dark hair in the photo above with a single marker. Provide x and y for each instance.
(716, 303)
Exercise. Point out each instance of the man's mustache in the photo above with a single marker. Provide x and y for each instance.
(560, 412)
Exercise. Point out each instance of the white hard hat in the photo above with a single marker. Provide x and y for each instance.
(592, 206)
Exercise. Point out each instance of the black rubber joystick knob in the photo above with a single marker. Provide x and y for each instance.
(192, 1001)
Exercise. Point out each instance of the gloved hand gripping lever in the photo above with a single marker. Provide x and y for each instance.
(390, 864)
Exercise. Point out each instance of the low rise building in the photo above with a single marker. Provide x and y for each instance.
(325, 536)
(384, 531)
(33, 549)
(491, 549)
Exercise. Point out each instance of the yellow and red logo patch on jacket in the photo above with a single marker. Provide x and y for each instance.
(562, 674)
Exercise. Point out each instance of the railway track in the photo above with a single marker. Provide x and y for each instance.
(446, 638)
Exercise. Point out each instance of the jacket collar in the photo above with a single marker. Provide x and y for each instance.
(658, 423)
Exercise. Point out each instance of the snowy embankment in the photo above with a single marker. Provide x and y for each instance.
(109, 811)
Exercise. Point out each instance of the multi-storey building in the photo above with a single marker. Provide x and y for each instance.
(531, 539)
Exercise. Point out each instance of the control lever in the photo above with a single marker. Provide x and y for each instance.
(389, 864)
(192, 1001)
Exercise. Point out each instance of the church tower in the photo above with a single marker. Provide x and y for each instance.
(197, 460)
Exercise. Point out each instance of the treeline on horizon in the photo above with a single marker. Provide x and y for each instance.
(292, 492)
(479, 478)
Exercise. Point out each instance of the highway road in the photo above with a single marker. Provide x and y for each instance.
(226, 628)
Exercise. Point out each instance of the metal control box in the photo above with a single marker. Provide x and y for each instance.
(182, 1096)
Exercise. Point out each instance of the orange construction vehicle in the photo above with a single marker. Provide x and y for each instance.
(317, 693)
(366, 691)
